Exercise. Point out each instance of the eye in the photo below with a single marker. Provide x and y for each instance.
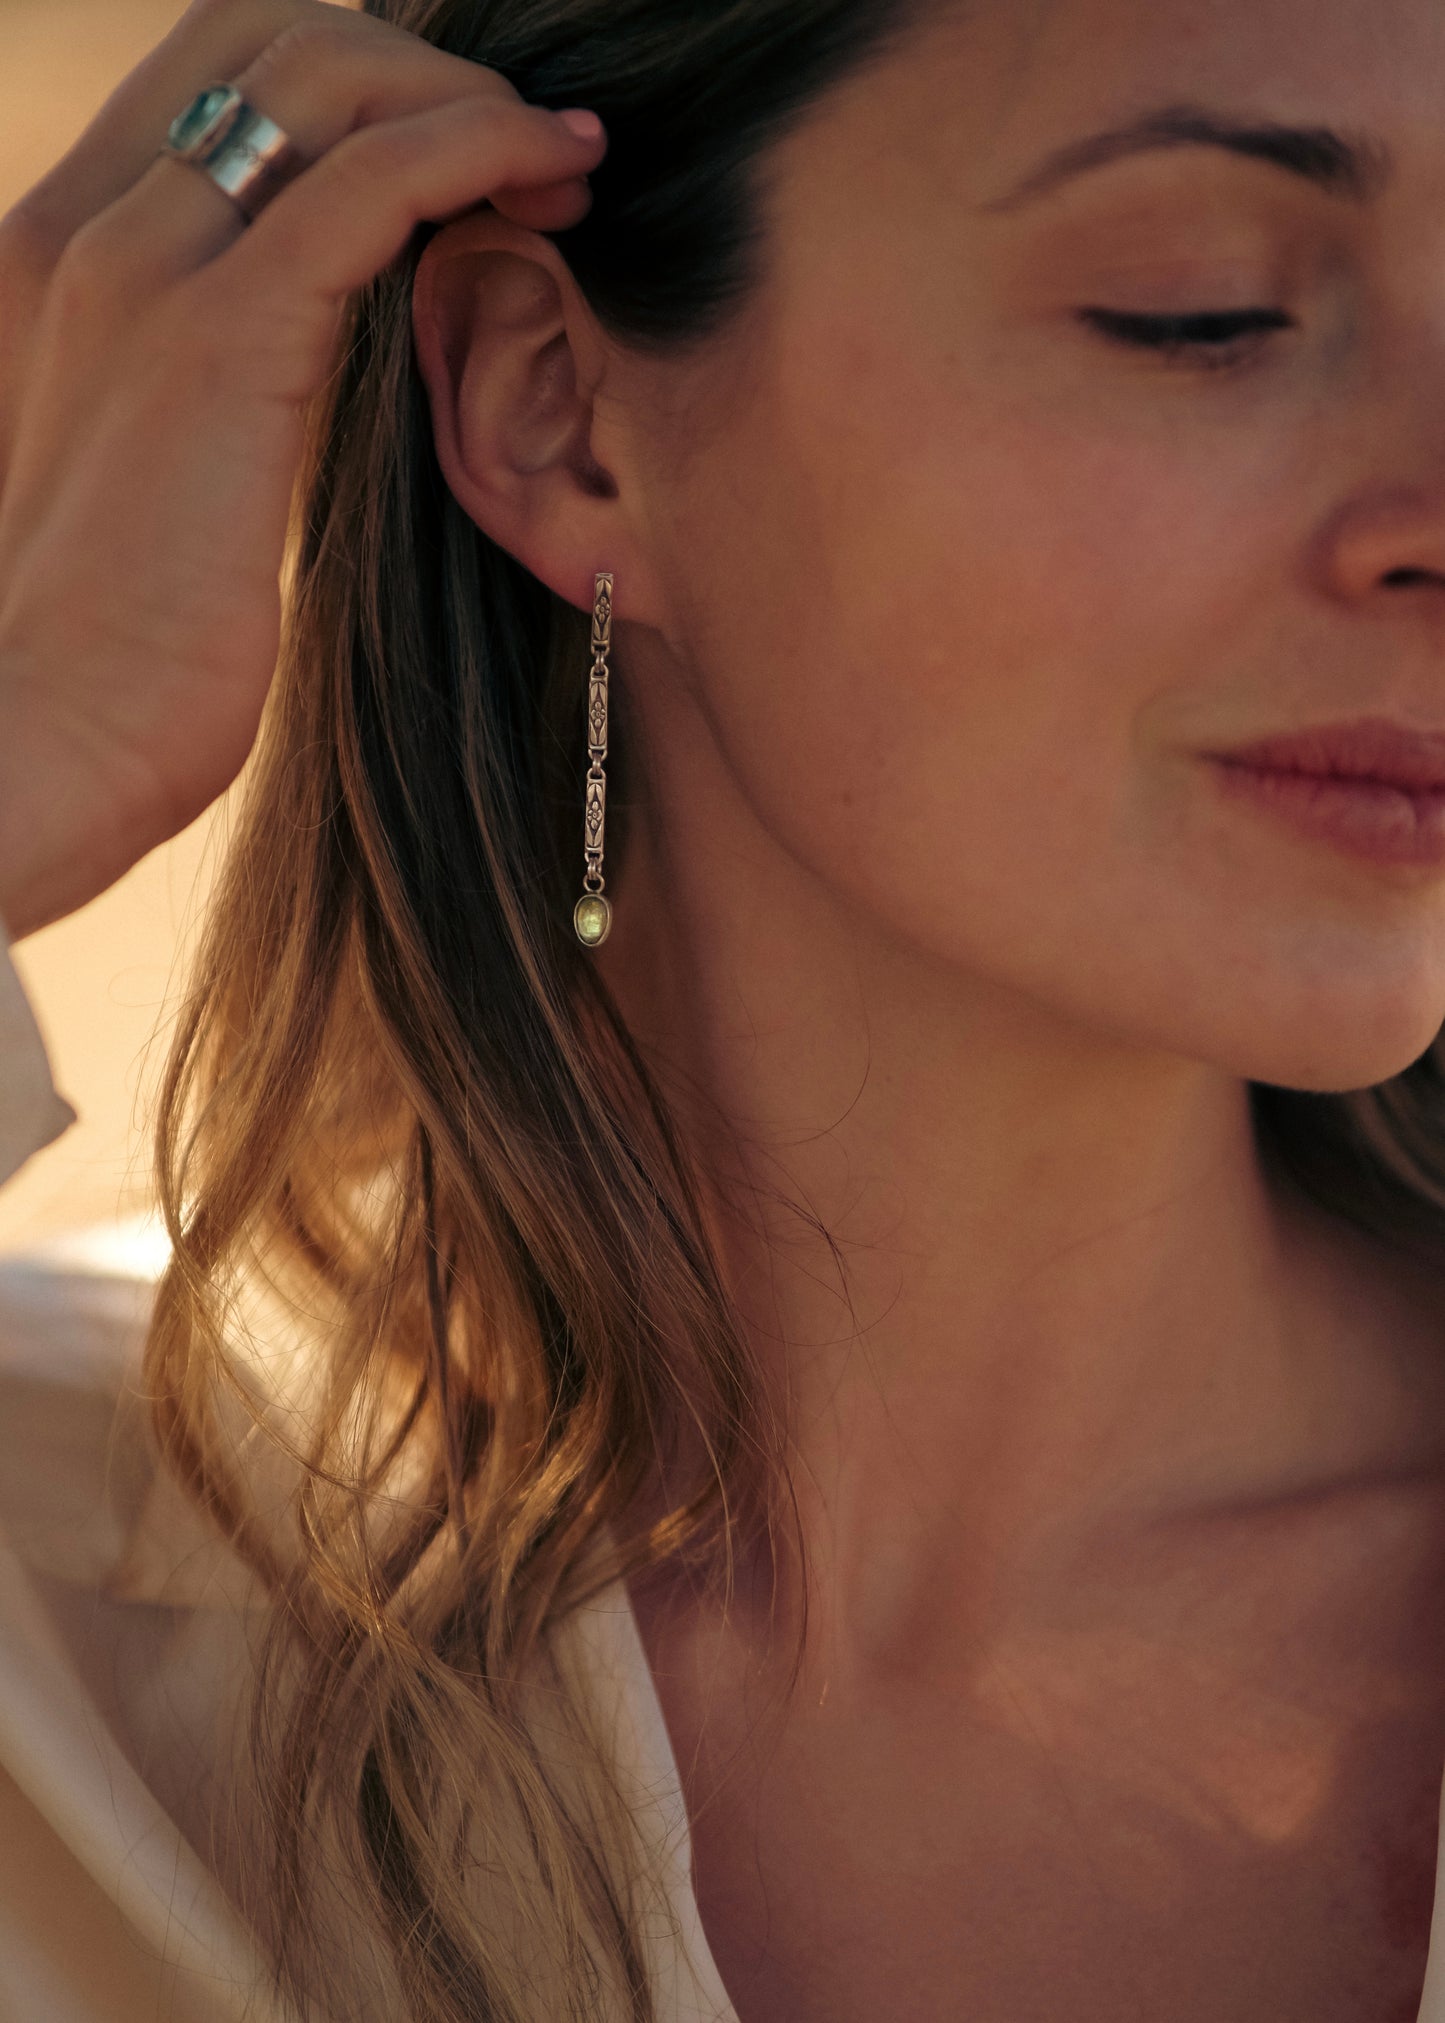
(1208, 337)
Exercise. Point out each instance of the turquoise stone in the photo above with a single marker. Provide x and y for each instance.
(201, 118)
(592, 918)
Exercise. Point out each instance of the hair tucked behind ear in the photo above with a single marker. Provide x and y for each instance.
(436, 1244)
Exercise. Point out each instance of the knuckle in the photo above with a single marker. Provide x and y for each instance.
(205, 14)
(192, 337)
(214, 10)
(303, 42)
(31, 241)
(92, 267)
(390, 149)
(236, 341)
(499, 91)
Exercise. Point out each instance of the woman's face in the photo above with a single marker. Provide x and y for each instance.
(963, 576)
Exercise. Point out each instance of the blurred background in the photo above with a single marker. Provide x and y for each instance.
(100, 981)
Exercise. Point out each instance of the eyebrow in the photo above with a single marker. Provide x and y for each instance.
(1356, 168)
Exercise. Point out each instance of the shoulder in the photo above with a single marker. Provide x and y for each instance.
(84, 1498)
(74, 1312)
(73, 1466)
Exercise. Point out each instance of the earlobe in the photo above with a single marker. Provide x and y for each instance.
(509, 355)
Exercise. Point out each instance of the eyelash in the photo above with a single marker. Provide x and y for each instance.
(1210, 338)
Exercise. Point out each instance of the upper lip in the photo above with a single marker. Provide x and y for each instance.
(1371, 748)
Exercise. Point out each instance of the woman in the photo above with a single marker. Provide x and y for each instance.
(855, 1430)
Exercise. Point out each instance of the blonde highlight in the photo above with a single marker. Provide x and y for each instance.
(444, 1313)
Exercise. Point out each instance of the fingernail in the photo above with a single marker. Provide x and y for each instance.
(586, 125)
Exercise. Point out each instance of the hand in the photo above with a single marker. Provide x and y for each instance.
(156, 357)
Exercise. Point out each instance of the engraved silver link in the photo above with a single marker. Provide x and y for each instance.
(593, 914)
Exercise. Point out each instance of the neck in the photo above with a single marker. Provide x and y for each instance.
(1016, 1281)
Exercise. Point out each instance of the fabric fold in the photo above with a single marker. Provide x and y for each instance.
(125, 1620)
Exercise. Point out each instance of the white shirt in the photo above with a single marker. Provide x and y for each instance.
(123, 1634)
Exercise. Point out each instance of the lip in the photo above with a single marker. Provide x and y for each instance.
(1371, 788)
(1371, 749)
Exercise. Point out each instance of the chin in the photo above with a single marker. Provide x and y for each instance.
(1320, 1007)
(1336, 1058)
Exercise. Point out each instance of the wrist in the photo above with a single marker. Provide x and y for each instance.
(47, 820)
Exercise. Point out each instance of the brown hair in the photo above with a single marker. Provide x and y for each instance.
(404, 1129)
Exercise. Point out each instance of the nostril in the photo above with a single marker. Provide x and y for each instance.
(1410, 579)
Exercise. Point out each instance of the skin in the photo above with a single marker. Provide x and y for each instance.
(1117, 1466)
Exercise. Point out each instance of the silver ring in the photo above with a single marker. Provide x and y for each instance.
(244, 153)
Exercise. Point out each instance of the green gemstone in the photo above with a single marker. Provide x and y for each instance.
(191, 127)
(592, 918)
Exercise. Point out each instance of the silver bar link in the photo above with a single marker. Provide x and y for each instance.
(597, 716)
(602, 617)
(595, 820)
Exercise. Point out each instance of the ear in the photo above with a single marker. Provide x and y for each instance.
(513, 359)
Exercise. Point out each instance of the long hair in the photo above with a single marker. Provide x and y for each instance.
(443, 1316)
(438, 1250)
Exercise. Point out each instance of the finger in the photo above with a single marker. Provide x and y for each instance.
(349, 216)
(270, 303)
(320, 80)
(212, 38)
(549, 207)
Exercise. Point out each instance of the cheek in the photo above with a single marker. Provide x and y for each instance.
(952, 627)
(955, 664)
(959, 602)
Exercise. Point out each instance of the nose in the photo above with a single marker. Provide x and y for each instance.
(1386, 546)
(1382, 547)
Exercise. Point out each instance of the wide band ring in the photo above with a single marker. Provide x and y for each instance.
(242, 151)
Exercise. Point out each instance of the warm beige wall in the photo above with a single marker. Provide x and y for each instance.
(98, 980)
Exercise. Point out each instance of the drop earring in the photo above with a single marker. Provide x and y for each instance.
(592, 915)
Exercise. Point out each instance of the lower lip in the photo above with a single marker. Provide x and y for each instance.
(1383, 825)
